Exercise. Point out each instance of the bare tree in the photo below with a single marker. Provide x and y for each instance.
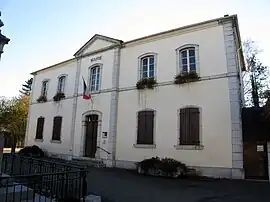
(255, 78)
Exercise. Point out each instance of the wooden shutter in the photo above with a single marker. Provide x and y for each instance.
(145, 127)
(40, 126)
(57, 125)
(184, 126)
(189, 126)
(194, 126)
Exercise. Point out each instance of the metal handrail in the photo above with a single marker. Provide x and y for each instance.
(103, 150)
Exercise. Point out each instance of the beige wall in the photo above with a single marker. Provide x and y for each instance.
(211, 96)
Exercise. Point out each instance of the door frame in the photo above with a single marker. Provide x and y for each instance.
(83, 135)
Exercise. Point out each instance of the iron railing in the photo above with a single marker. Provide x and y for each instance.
(30, 179)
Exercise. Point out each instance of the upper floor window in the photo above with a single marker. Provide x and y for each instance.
(95, 73)
(147, 66)
(188, 60)
(61, 84)
(44, 88)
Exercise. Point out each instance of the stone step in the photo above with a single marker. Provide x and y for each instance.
(86, 162)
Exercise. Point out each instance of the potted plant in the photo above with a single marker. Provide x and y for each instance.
(59, 96)
(146, 83)
(42, 98)
(186, 77)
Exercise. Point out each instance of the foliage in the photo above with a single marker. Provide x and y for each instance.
(186, 77)
(32, 151)
(255, 78)
(26, 87)
(146, 83)
(166, 166)
(59, 96)
(13, 117)
(42, 98)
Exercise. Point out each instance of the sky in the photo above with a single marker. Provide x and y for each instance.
(46, 32)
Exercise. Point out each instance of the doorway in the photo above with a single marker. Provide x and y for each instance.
(91, 130)
(255, 160)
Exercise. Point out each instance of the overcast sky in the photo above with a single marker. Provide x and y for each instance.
(46, 32)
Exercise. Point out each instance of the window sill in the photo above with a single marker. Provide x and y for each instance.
(144, 146)
(56, 141)
(189, 147)
(39, 140)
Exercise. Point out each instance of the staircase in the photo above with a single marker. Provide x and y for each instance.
(88, 162)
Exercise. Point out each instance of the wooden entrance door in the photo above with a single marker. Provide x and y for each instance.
(255, 160)
(91, 125)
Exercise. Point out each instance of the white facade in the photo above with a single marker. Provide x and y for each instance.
(217, 94)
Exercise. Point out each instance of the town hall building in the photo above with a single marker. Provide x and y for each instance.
(174, 94)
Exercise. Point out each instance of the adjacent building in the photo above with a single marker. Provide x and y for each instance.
(173, 94)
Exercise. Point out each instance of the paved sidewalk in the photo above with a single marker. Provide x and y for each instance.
(116, 185)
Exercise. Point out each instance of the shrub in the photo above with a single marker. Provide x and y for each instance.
(32, 151)
(186, 77)
(146, 82)
(59, 96)
(163, 167)
(42, 98)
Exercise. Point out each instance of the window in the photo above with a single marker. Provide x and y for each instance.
(147, 67)
(40, 126)
(95, 78)
(188, 60)
(190, 126)
(44, 88)
(145, 132)
(57, 124)
(61, 84)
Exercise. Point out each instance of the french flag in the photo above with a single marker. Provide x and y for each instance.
(86, 94)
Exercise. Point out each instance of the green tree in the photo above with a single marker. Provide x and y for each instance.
(255, 78)
(13, 118)
(26, 87)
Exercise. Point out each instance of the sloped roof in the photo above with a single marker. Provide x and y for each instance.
(95, 37)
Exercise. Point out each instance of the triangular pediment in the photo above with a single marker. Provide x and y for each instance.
(97, 42)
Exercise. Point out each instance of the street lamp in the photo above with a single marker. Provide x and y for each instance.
(3, 40)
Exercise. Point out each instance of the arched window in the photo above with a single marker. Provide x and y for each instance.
(189, 126)
(147, 66)
(188, 58)
(145, 131)
(44, 88)
(95, 73)
(61, 84)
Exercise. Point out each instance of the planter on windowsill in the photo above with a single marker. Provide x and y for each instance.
(58, 97)
(186, 77)
(42, 98)
(146, 83)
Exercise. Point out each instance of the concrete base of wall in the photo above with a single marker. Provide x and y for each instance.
(215, 172)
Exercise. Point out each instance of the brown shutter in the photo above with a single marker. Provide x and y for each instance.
(57, 124)
(40, 126)
(194, 126)
(184, 126)
(149, 131)
(141, 128)
(145, 131)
